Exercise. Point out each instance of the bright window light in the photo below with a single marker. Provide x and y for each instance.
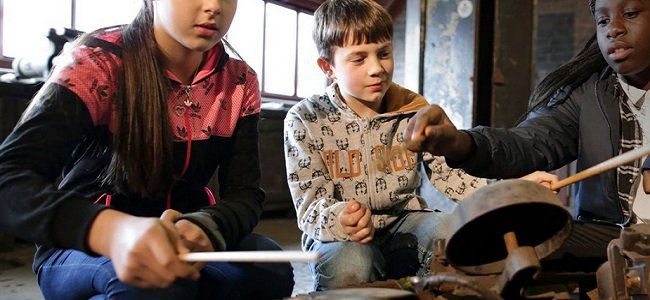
(94, 14)
(246, 34)
(280, 50)
(25, 25)
(311, 79)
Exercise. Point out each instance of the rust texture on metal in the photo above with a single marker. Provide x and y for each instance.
(477, 226)
(626, 274)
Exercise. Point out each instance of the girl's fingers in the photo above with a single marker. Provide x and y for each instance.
(163, 248)
(423, 130)
(154, 274)
(175, 237)
(193, 236)
(198, 265)
(140, 282)
(170, 215)
(420, 122)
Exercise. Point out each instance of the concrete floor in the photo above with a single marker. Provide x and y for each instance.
(18, 282)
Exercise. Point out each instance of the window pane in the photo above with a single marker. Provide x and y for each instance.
(311, 79)
(246, 33)
(280, 50)
(25, 25)
(94, 14)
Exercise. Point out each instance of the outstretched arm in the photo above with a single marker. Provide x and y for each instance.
(546, 140)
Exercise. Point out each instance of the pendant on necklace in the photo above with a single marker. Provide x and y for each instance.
(188, 102)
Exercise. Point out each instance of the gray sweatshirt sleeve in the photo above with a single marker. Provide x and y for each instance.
(311, 186)
(453, 183)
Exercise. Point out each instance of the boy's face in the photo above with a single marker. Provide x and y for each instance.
(363, 72)
(623, 30)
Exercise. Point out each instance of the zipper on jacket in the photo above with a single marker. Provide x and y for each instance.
(372, 165)
(626, 220)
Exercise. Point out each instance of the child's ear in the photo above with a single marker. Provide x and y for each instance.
(327, 68)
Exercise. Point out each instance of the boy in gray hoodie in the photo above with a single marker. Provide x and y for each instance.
(363, 201)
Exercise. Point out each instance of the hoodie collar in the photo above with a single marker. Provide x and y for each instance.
(214, 59)
(398, 100)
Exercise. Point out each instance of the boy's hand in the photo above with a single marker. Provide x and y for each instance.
(646, 181)
(431, 130)
(357, 222)
(544, 178)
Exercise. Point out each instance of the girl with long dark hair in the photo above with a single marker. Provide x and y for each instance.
(107, 170)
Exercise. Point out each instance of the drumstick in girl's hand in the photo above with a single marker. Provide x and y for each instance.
(604, 166)
(251, 256)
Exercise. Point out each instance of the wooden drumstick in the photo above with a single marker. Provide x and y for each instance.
(603, 166)
(251, 256)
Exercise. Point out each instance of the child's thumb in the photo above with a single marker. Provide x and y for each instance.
(352, 206)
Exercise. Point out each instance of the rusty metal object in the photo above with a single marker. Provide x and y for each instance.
(529, 210)
(359, 294)
(626, 274)
(521, 267)
(497, 236)
(451, 283)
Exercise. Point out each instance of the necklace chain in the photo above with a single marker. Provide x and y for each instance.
(188, 88)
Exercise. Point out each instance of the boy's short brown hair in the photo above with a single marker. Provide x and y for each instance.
(359, 21)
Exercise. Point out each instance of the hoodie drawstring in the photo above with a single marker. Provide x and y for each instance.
(212, 200)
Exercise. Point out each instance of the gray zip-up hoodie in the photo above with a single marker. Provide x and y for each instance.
(333, 155)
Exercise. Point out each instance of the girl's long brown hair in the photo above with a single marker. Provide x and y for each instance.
(142, 159)
(142, 156)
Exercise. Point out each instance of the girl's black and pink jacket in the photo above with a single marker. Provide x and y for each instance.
(51, 165)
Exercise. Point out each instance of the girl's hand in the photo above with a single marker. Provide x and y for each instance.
(543, 178)
(357, 222)
(144, 251)
(431, 130)
(192, 236)
(646, 181)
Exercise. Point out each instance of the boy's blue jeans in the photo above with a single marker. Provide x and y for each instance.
(403, 249)
(71, 274)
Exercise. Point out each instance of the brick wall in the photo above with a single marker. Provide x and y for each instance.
(563, 27)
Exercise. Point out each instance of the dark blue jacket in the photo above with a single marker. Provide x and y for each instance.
(582, 124)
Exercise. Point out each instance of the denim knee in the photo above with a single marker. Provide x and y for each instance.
(346, 263)
(248, 280)
(180, 289)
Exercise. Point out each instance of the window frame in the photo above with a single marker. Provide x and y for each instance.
(5, 61)
(304, 8)
(300, 6)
